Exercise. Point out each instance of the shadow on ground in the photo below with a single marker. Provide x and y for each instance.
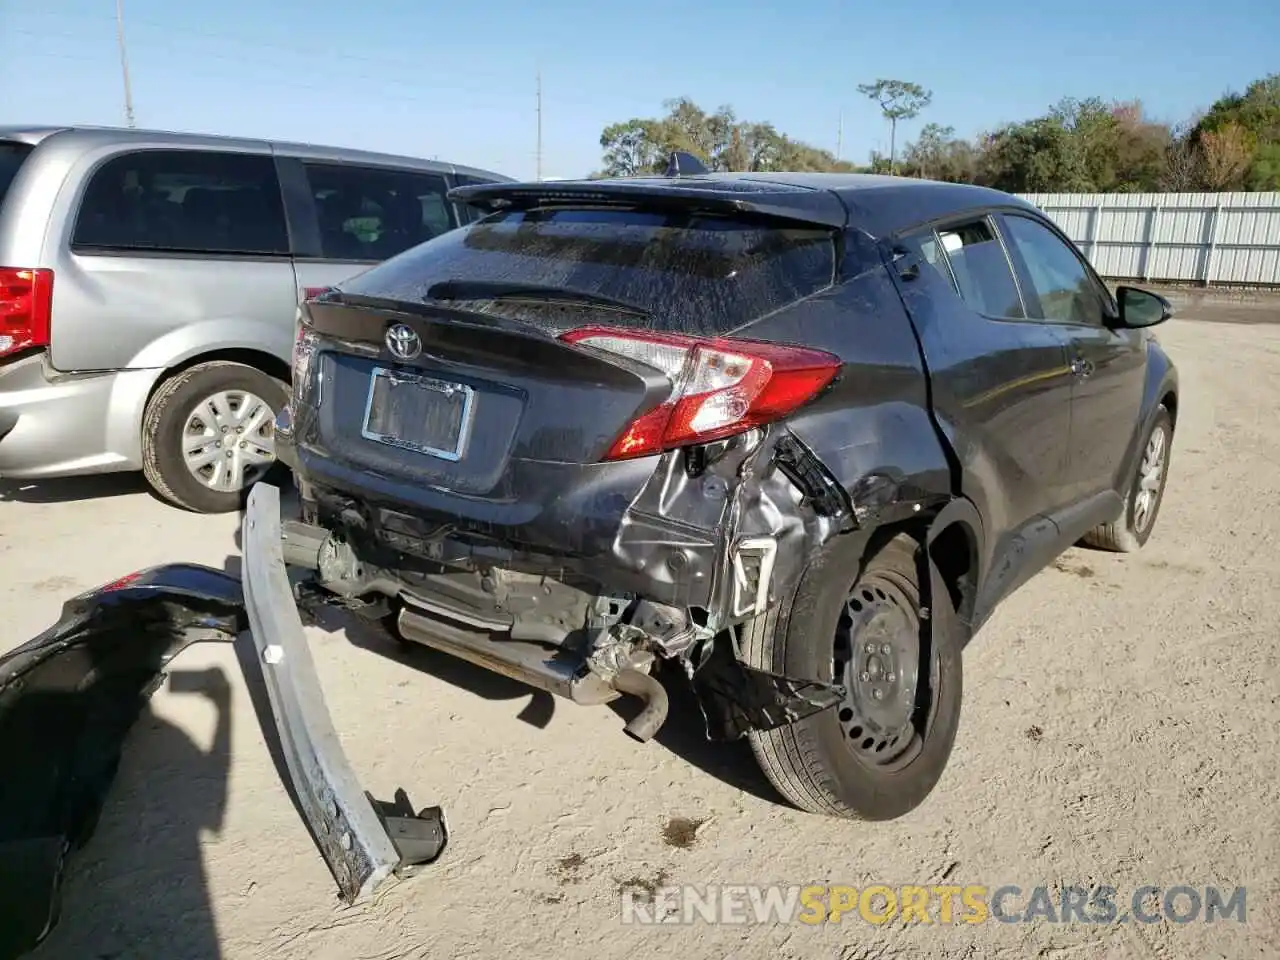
(138, 887)
(72, 489)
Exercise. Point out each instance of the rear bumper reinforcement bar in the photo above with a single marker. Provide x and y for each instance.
(363, 841)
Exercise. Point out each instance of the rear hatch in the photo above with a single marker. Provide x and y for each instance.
(541, 347)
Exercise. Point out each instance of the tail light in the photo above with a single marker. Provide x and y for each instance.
(720, 387)
(26, 306)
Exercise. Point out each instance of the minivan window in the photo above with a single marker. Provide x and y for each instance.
(184, 201)
(690, 273)
(11, 157)
(373, 213)
(467, 212)
(981, 269)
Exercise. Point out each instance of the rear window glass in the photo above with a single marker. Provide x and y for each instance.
(184, 201)
(11, 157)
(694, 274)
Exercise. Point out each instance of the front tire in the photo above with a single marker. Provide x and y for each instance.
(208, 435)
(877, 755)
(1142, 502)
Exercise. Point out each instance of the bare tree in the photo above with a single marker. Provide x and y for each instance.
(898, 100)
(1227, 154)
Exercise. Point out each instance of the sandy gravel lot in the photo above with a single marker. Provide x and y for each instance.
(1121, 726)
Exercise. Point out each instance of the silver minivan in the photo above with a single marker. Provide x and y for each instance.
(149, 284)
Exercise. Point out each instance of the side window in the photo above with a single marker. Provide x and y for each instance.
(981, 269)
(373, 213)
(183, 201)
(1066, 292)
(928, 249)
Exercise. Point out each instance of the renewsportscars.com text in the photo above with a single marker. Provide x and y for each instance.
(944, 904)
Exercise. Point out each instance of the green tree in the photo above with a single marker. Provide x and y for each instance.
(898, 100)
(719, 139)
(937, 154)
(632, 147)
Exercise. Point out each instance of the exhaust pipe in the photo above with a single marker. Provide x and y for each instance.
(648, 689)
(555, 671)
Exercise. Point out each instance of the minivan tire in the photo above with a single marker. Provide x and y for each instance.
(164, 423)
(1126, 534)
(813, 762)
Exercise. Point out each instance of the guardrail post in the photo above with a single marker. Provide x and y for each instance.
(1213, 243)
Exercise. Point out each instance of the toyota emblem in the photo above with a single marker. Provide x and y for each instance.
(403, 343)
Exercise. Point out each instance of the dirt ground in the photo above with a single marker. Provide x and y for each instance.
(1121, 726)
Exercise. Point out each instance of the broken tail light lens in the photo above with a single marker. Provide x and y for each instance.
(26, 308)
(720, 387)
(304, 348)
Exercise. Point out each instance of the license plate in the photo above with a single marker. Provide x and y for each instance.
(418, 413)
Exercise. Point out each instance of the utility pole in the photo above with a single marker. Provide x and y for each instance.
(840, 136)
(124, 64)
(539, 152)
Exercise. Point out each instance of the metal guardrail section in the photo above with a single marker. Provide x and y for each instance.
(346, 826)
(1206, 238)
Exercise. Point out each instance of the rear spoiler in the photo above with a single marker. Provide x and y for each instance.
(736, 196)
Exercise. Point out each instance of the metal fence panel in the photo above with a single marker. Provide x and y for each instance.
(1199, 237)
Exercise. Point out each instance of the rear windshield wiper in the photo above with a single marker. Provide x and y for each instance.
(507, 290)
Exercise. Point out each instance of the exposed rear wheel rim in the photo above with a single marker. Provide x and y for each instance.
(1149, 484)
(890, 689)
(228, 440)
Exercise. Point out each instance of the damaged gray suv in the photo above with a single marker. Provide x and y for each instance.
(794, 434)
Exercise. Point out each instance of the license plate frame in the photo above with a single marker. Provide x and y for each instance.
(420, 382)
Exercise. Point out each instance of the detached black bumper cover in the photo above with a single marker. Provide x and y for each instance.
(69, 696)
(67, 700)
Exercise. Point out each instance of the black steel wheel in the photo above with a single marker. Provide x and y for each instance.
(857, 619)
(877, 656)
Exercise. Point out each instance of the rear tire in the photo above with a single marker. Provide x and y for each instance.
(174, 414)
(830, 763)
(1131, 531)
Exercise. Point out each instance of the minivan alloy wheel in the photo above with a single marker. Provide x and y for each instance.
(229, 442)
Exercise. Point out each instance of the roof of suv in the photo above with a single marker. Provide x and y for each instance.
(880, 205)
(94, 135)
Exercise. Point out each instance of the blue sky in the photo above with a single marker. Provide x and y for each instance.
(433, 79)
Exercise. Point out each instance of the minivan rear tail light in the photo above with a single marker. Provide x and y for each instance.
(720, 387)
(26, 305)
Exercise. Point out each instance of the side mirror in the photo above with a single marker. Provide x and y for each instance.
(1141, 308)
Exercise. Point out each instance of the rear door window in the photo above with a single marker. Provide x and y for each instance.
(981, 269)
(374, 213)
(690, 273)
(184, 201)
(11, 157)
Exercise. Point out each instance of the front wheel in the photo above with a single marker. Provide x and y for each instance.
(208, 435)
(1146, 492)
(880, 752)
